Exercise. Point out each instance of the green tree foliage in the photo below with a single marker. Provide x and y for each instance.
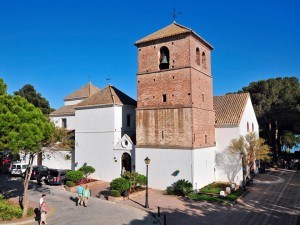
(28, 92)
(23, 129)
(74, 176)
(3, 87)
(87, 170)
(277, 106)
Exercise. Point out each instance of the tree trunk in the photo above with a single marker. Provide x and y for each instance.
(26, 183)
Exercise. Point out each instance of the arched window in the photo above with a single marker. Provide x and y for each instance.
(197, 56)
(203, 60)
(164, 59)
(205, 139)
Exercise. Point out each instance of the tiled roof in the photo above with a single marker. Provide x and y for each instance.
(65, 110)
(84, 92)
(171, 30)
(229, 108)
(107, 96)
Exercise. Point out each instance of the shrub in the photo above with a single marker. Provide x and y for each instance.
(74, 176)
(30, 211)
(131, 177)
(87, 170)
(181, 187)
(70, 183)
(141, 180)
(115, 193)
(120, 184)
(9, 210)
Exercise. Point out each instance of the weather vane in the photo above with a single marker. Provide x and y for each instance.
(174, 14)
(108, 79)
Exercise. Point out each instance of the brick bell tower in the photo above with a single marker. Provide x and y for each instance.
(174, 90)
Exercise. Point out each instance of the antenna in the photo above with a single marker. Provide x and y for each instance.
(174, 14)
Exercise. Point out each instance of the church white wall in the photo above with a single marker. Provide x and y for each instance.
(97, 133)
(57, 159)
(204, 171)
(99, 120)
(96, 150)
(71, 121)
(250, 118)
(163, 164)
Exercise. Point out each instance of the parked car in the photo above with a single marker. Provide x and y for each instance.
(57, 176)
(18, 169)
(53, 176)
(42, 176)
(36, 170)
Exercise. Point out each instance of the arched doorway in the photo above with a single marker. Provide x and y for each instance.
(126, 162)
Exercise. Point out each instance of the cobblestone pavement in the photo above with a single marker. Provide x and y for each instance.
(274, 199)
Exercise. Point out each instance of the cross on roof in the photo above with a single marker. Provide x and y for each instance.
(175, 13)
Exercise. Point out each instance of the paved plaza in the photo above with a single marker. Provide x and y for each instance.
(274, 199)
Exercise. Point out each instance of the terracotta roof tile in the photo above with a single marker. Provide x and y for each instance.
(107, 96)
(229, 108)
(65, 110)
(171, 30)
(84, 92)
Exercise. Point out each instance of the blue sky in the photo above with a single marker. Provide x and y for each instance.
(57, 45)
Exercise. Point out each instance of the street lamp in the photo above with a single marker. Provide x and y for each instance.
(147, 162)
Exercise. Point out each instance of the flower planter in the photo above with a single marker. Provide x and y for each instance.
(91, 184)
(121, 198)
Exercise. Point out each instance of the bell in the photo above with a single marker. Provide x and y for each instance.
(164, 60)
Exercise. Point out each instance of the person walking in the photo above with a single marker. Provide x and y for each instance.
(44, 210)
(86, 195)
(42, 199)
(80, 195)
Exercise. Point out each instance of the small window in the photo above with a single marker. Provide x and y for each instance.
(164, 98)
(252, 127)
(197, 56)
(129, 120)
(202, 97)
(205, 137)
(64, 123)
(247, 126)
(203, 60)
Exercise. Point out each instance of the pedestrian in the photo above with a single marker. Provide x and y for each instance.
(86, 195)
(42, 199)
(44, 211)
(80, 195)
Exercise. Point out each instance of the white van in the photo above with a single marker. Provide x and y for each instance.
(18, 168)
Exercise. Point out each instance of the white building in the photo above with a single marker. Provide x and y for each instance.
(181, 127)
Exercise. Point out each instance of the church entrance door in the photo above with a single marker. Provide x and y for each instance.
(126, 162)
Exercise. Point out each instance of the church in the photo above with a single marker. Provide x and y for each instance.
(176, 121)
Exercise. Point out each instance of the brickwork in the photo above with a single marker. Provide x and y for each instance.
(175, 105)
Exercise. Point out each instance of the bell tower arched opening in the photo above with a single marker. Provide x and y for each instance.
(164, 59)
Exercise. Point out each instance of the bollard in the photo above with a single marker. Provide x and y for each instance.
(165, 220)
(158, 211)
